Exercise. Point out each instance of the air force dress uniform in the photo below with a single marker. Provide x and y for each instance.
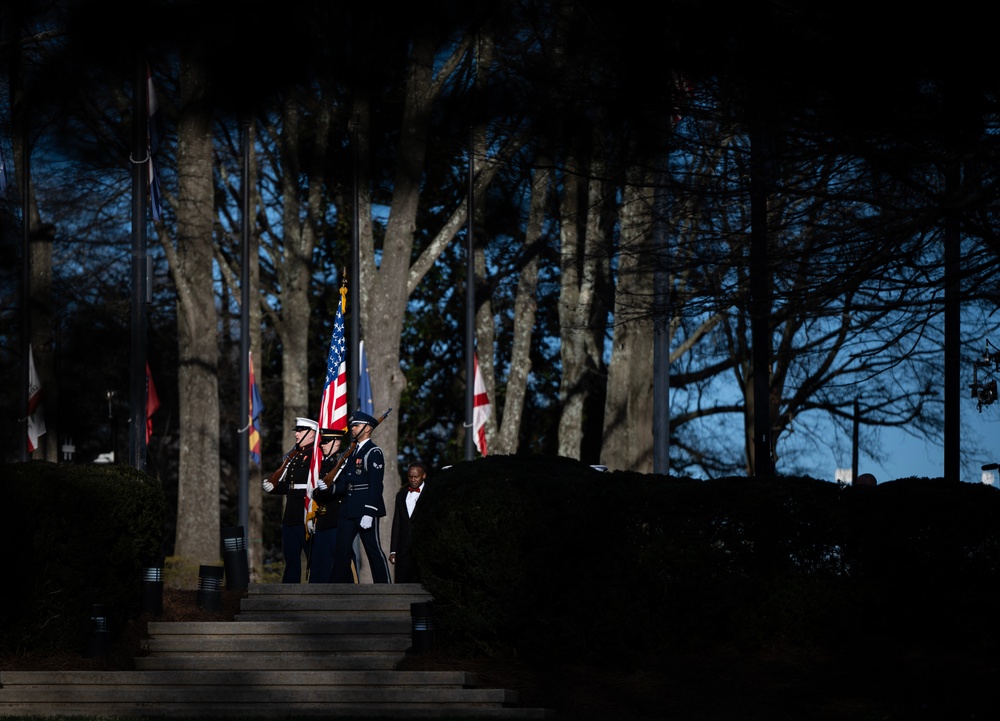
(361, 507)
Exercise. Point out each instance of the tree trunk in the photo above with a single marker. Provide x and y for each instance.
(582, 322)
(525, 306)
(294, 277)
(382, 296)
(198, 533)
(628, 414)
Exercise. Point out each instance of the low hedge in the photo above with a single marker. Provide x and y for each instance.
(75, 536)
(541, 557)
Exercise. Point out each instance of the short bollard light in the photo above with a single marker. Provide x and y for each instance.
(98, 643)
(422, 630)
(210, 588)
(234, 557)
(152, 587)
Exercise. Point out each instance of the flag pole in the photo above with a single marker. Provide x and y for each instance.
(244, 439)
(140, 175)
(22, 130)
(470, 309)
(353, 359)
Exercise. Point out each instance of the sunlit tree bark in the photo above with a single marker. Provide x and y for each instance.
(198, 523)
(628, 413)
(525, 305)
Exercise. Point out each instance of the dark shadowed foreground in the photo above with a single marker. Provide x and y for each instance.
(710, 684)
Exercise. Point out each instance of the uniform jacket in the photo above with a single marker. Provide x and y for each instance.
(293, 484)
(360, 482)
(327, 499)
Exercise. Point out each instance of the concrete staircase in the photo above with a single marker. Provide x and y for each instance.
(292, 650)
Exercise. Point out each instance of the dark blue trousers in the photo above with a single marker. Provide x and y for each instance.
(293, 544)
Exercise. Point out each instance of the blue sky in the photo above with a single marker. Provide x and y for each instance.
(907, 456)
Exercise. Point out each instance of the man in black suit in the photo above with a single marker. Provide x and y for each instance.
(400, 554)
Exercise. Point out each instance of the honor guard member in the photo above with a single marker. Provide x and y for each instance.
(362, 506)
(327, 511)
(290, 481)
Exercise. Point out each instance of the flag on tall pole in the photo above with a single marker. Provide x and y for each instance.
(480, 408)
(152, 403)
(256, 408)
(365, 402)
(333, 405)
(36, 417)
(154, 137)
(3, 173)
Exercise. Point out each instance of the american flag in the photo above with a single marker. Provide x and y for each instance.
(333, 406)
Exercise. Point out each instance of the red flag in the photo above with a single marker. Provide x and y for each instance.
(683, 91)
(480, 409)
(152, 403)
(36, 418)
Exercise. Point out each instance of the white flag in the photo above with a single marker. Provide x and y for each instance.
(36, 419)
(480, 409)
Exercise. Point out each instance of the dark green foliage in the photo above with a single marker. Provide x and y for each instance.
(544, 557)
(76, 535)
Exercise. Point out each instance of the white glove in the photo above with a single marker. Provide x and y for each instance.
(320, 485)
(366, 522)
(267, 486)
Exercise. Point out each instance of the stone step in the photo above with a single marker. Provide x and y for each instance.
(288, 637)
(314, 650)
(262, 661)
(369, 590)
(313, 681)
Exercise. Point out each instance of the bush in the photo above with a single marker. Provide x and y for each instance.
(545, 557)
(79, 535)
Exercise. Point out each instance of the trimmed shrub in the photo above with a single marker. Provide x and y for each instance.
(77, 535)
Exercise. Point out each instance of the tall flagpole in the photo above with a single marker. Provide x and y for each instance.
(470, 309)
(354, 358)
(244, 440)
(25, 176)
(140, 177)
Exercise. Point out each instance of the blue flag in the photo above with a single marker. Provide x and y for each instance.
(256, 408)
(3, 173)
(365, 404)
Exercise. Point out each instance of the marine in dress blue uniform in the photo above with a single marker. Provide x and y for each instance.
(290, 481)
(362, 507)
